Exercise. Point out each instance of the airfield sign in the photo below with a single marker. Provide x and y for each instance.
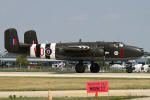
(100, 86)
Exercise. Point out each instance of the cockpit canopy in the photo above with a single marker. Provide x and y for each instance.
(118, 44)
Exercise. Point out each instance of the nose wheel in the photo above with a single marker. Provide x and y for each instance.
(129, 69)
(95, 68)
(80, 68)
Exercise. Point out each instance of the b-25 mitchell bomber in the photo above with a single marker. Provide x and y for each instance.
(77, 51)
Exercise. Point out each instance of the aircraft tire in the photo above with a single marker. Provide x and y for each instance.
(80, 68)
(95, 68)
(129, 69)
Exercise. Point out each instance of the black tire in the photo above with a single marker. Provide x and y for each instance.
(94, 68)
(80, 68)
(129, 69)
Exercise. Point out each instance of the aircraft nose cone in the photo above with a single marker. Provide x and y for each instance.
(139, 52)
(135, 51)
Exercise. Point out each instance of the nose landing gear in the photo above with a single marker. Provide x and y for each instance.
(129, 69)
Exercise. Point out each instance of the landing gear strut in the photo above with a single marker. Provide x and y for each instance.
(80, 68)
(95, 68)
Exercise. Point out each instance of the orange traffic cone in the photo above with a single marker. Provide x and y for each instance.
(50, 96)
(96, 95)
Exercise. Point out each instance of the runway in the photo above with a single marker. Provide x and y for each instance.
(75, 93)
(53, 74)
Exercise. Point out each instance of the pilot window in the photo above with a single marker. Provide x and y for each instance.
(121, 44)
(118, 45)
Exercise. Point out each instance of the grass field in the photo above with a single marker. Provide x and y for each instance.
(74, 98)
(52, 70)
(36, 70)
(66, 83)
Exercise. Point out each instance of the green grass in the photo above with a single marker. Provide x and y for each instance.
(52, 70)
(39, 70)
(66, 83)
(35, 70)
(75, 98)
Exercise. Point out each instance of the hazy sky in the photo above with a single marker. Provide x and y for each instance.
(127, 21)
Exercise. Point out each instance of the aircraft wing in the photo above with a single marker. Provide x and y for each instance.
(76, 48)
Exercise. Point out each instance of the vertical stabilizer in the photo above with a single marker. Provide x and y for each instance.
(11, 40)
(30, 37)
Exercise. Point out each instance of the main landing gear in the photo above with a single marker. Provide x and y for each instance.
(80, 67)
(95, 68)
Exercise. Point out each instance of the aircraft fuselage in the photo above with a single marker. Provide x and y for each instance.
(86, 51)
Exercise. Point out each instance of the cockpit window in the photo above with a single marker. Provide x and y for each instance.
(121, 44)
(118, 45)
